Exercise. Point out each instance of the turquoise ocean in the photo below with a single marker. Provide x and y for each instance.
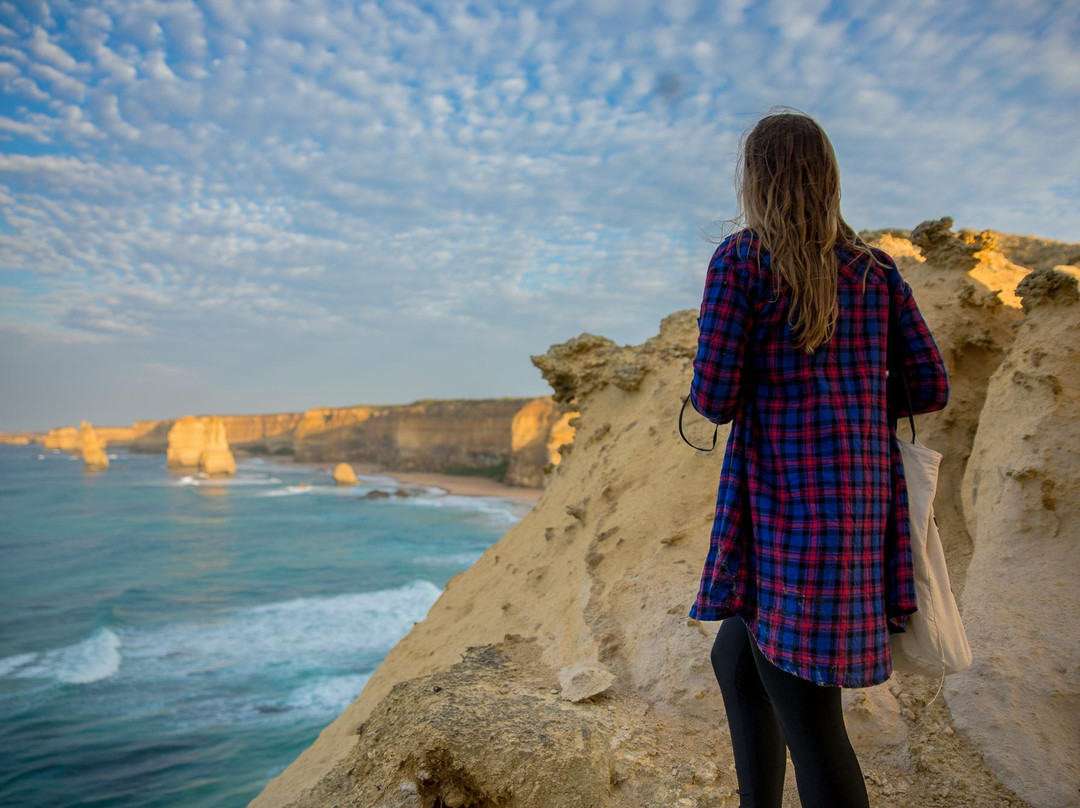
(171, 640)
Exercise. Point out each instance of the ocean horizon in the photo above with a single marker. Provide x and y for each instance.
(171, 639)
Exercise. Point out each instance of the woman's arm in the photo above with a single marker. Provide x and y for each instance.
(722, 326)
(927, 379)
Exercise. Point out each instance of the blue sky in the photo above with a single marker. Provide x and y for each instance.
(229, 206)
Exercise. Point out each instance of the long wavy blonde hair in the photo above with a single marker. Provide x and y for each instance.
(788, 184)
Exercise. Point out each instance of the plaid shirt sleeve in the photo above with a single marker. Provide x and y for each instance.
(724, 320)
(928, 381)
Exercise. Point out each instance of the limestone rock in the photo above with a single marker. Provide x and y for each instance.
(93, 452)
(941, 247)
(1020, 702)
(216, 458)
(344, 474)
(581, 681)
(483, 732)
(561, 437)
(537, 432)
(873, 717)
(976, 253)
(187, 439)
(1047, 286)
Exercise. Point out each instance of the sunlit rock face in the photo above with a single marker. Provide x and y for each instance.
(93, 452)
(62, 438)
(187, 438)
(216, 459)
(539, 429)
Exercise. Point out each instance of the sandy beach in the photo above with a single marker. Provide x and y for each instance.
(457, 484)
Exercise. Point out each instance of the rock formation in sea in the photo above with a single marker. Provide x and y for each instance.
(93, 453)
(215, 458)
(344, 474)
(187, 439)
(561, 669)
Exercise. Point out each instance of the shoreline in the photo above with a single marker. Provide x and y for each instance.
(453, 484)
(461, 485)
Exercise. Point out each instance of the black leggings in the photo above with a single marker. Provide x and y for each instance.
(768, 708)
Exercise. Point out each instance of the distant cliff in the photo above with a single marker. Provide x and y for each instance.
(511, 439)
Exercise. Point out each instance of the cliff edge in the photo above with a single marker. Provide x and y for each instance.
(561, 670)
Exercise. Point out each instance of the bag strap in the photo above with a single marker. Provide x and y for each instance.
(683, 435)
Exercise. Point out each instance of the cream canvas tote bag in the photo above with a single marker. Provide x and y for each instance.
(934, 642)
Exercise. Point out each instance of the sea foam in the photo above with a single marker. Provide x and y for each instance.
(91, 660)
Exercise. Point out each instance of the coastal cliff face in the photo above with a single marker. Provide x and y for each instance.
(539, 430)
(268, 433)
(433, 435)
(62, 438)
(511, 438)
(69, 439)
(561, 669)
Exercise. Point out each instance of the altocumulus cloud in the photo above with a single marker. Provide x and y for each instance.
(243, 206)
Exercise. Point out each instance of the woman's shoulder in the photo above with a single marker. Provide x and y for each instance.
(862, 258)
(741, 246)
(857, 248)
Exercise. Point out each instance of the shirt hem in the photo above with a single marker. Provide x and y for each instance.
(807, 673)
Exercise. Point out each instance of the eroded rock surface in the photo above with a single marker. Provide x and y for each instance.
(1020, 703)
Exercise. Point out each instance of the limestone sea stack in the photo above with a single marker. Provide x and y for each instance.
(216, 459)
(187, 439)
(344, 474)
(93, 452)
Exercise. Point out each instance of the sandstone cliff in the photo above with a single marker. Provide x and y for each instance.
(1021, 498)
(62, 438)
(561, 669)
(507, 438)
(21, 438)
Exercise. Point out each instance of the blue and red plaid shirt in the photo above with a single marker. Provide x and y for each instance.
(811, 539)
